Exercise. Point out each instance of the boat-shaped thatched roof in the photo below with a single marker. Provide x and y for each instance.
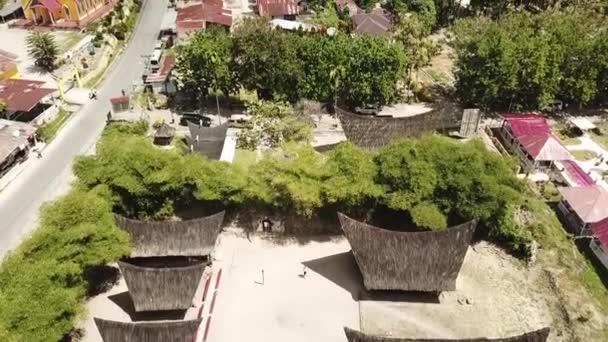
(161, 288)
(163, 331)
(408, 261)
(371, 131)
(173, 238)
(533, 336)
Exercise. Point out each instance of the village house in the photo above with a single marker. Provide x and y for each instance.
(278, 9)
(15, 140)
(24, 99)
(375, 23)
(529, 138)
(64, 13)
(585, 211)
(199, 16)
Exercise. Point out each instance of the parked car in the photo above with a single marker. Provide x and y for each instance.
(368, 109)
(195, 118)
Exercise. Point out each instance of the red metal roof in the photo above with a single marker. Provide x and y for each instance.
(589, 202)
(194, 17)
(372, 23)
(22, 95)
(272, 8)
(534, 134)
(119, 100)
(576, 173)
(164, 72)
(600, 230)
(51, 5)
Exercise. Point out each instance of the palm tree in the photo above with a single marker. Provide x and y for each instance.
(43, 48)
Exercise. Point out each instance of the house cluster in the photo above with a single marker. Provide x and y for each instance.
(584, 196)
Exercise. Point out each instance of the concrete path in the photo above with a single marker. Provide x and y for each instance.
(50, 176)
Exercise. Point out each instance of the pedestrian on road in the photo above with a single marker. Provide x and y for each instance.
(304, 273)
(38, 154)
(124, 93)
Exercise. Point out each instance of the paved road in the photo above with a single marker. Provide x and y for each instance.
(50, 176)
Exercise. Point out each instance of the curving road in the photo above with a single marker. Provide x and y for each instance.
(50, 176)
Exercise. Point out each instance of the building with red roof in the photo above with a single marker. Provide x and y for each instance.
(585, 211)
(200, 15)
(24, 99)
(529, 137)
(160, 81)
(375, 23)
(278, 9)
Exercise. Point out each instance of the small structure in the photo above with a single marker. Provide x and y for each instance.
(67, 14)
(470, 122)
(12, 10)
(24, 99)
(165, 331)
(199, 16)
(173, 238)
(529, 137)
(164, 135)
(15, 140)
(208, 141)
(539, 335)
(375, 23)
(585, 210)
(120, 104)
(160, 287)
(291, 25)
(418, 261)
(8, 65)
(582, 123)
(278, 9)
(572, 174)
(160, 81)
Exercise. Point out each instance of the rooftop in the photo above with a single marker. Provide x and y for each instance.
(10, 140)
(164, 72)
(272, 8)
(195, 16)
(589, 202)
(22, 95)
(373, 23)
(534, 134)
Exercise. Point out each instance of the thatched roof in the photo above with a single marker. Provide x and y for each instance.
(164, 132)
(372, 131)
(161, 289)
(164, 331)
(173, 238)
(533, 336)
(418, 261)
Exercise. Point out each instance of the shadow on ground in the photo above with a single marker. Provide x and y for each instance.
(342, 270)
(123, 300)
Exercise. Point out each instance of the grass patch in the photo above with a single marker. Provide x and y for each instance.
(70, 41)
(601, 140)
(244, 158)
(565, 135)
(584, 155)
(48, 131)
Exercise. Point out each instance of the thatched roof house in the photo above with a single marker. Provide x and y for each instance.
(164, 331)
(533, 336)
(418, 261)
(161, 288)
(173, 238)
(164, 134)
(371, 131)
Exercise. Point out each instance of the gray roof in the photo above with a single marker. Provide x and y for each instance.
(161, 331)
(210, 139)
(10, 140)
(539, 335)
(10, 8)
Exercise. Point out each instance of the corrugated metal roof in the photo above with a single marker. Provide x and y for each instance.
(272, 8)
(534, 134)
(22, 95)
(589, 202)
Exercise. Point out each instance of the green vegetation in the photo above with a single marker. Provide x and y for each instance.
(43, 49)
(289, 65)
(71, 40)
(600, 139)
(44, 282)
(48, 131)
(526, 61)
(583, 155)
(271, 125)
(438, 182)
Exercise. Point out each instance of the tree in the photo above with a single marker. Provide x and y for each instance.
(266, 60)
(272, 123)
(412, 34)
(206, 63)
(43, 48)
(374, 68)
(423, 9)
